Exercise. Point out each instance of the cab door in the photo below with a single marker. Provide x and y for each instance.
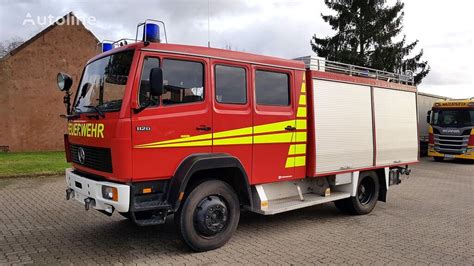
(178, 123)
(274, 125)
(232, 111)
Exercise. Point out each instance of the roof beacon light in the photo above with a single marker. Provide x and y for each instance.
(152, 33)
(107, 46)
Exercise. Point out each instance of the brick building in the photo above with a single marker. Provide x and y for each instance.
(30, 102)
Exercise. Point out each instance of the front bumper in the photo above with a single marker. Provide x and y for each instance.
(84, 189)
(468, 155)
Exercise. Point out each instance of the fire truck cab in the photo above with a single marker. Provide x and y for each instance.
(158, 129)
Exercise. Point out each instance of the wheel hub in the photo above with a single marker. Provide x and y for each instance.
(211, 216)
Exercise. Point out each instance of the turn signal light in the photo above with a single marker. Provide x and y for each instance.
(110, 193)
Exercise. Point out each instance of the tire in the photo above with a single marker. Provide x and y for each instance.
(438, 159)
(209, 216)
(366, 197)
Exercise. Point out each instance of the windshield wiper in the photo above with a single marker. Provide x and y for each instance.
(97, 109)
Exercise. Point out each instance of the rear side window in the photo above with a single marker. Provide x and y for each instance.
(231, 85)
(183, 81)
(272, 88)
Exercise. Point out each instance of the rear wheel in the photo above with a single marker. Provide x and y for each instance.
(366, 197)
(209, 216)
(438, 159)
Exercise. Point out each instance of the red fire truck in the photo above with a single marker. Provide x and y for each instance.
(203, 133)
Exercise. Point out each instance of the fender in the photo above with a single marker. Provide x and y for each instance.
(199, 162)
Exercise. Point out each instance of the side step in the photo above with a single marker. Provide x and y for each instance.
(292, 203)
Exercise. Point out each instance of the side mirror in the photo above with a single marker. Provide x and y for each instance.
(64, 81)
(156, 81)
(428, 117)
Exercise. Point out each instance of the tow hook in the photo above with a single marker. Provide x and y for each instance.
(87, 203)
(69, 193)
(405, 171)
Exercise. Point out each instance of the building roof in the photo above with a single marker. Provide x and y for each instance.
(66, 17)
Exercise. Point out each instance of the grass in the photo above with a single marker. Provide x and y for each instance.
(32, 163)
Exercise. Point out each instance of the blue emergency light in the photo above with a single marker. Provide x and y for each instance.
(106, 47)
(152, 32)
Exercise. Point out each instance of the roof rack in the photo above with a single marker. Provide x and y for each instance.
(321, 64)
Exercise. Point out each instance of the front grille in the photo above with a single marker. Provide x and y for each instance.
(449, 144)
(95, 158)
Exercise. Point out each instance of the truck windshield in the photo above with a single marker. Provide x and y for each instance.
(103, 83)
(453, 118)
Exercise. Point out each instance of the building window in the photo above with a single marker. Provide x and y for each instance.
(183, 82)
(231, 85)
(272, 88)
(148, 64)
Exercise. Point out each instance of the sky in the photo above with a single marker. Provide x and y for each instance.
(280, 28)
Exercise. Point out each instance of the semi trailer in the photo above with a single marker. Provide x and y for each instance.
(425, 103)
(157, 129)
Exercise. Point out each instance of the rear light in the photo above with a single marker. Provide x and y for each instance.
(431, 138)
(66, 148)
(110, 193)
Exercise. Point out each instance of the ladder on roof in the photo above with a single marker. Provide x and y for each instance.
(321, 64)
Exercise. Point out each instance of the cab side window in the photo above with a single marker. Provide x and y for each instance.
(231, 85)
(183, 82)
(148, 64)
(272, 88)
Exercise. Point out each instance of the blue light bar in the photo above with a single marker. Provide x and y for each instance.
(107, 46)
(152, 32)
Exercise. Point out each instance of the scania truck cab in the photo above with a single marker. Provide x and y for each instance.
(451, 131)
(157, 129)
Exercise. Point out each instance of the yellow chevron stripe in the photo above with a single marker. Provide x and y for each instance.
(182, 144)
(273, 138)
(300, 161)
(300, 137)
(273, 127)
(295, 161)
(233, 141)
(297, 149)
(301, 112)
(303, 87)
(185, 139)
(233, 132)
(302, 100)
(301, 124)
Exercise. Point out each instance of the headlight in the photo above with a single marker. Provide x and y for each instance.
(64, 81)
(110, 193)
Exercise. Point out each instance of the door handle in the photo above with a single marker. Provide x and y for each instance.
(290, 128)
(203, 128)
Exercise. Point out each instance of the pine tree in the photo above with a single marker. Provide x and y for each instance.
(366, 32)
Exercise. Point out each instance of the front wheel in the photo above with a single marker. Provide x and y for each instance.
(366, 197)
(209, 216)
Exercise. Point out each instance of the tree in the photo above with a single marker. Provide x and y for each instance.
(366, 33)
(9, 45)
